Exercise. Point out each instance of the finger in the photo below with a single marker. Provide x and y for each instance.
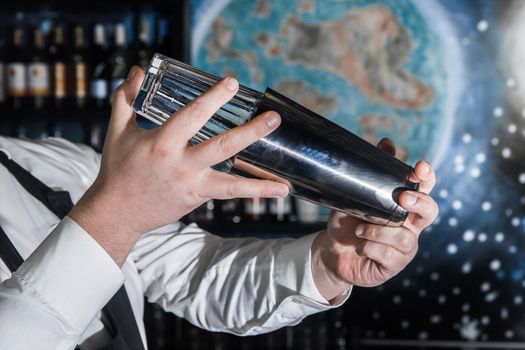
(190, 119)
(258, 173)
(423, 210)
(225, 186)
(401, 239)
(426, 177)
(389, 258)
(122, 111)
(228, 144)
(387, 145)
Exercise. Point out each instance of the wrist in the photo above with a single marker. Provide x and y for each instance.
(325, 263)
(102, 216)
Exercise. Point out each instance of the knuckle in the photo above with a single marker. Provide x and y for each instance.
(259, 130)
(405, 241)
(372, 232)
(193, 197)
(182, 172)
(226, 145)
(362, 249)
(196, 107)
(402, 240)
(388, 254)
(429, 208)
(160, 149)
(232, 190)
(422, 204)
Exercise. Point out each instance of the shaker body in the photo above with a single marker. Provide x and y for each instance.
(319, 160)
(326, 164)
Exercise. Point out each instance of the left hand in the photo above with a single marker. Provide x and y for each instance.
(353, 252)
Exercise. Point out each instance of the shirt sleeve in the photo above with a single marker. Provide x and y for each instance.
(242, 286)
(57, 291)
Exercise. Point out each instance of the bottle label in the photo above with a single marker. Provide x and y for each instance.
(2, 83)
(60, 80)
(99, 88)
(38, 79)
(80, 81)
(115, 83)
(16, 79)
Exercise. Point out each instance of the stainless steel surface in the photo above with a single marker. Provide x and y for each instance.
(324, 163)
(320, 161)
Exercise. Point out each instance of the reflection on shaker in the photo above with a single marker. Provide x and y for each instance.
(280, 209)
(255, 209)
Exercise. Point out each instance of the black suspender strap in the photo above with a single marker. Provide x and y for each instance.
(123, 327)
(58, 202)
(126, 334)
(8, 252)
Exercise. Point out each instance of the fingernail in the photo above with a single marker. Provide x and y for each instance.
(359, 230)
(411, 199)
(231, 83)
(281, 191)
(425, 167)
(272, 120)
(132, 73)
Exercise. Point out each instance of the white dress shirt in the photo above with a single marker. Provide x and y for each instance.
(53, 301)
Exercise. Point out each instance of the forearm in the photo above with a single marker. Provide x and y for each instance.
(242, 286)
(324, 262)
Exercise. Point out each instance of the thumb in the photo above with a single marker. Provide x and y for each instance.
(122, 111)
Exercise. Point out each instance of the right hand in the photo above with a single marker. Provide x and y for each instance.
(149, 178)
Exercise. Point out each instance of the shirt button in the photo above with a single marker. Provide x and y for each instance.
(295, 300)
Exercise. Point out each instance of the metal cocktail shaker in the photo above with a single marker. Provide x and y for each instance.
(319, 160)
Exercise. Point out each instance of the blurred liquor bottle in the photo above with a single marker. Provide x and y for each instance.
(100, 74)
(16, 64)
(144, 50)
(119, 59)
(38, 72)
(59, 67)
(79, 68)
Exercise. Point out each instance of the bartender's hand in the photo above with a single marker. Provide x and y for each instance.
(149, 178)
(353, 252)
